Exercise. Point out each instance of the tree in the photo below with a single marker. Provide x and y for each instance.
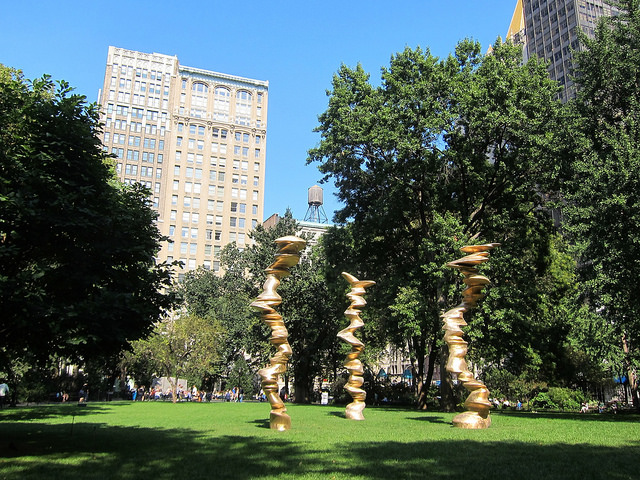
(184, 346)
(225, 299)
(603, 196)
(77, 273)
(442, 153)
(309, 311)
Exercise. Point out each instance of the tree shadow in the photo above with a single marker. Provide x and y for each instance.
(58, 410)
(96, 451)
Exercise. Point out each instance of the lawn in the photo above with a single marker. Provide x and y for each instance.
(156, 440)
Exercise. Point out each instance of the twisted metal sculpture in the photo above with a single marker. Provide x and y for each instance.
(477, 403)
(288, 255)
(352, 364)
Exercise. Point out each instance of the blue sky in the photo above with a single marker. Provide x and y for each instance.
(296, 45)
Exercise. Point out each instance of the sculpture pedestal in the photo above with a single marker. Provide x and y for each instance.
(279, 421)
(471, 421)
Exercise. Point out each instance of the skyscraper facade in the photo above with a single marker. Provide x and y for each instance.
(551, 32)
(197, 140)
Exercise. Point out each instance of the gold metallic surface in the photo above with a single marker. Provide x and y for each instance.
(477, 403)
(352, 363)
(288, 255)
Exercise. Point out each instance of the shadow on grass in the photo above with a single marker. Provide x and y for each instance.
(97, 451)
(58, 410)
(260, 423)
(430, 419)
(339, 413)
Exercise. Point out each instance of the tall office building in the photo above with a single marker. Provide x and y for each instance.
(549, 29)
(197, 139)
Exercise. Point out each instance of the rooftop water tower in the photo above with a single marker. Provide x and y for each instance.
(315, 212)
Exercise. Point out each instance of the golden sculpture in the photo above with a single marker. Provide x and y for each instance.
(477, 403)
(352, 364)
(288, 255)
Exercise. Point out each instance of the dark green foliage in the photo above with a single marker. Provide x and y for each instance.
(77, 273)
(603, 194)
(556, 398)
(225, 299)
(309, 311)
(242, 376)
(442, 153)
(182, 346)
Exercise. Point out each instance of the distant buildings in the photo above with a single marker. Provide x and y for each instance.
(197, 139)
(549, 29)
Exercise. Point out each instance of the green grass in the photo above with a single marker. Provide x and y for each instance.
(230, 440)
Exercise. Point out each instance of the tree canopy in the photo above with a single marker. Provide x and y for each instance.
(181, 346)
(444, 152)
(603, 192)
(77, 271)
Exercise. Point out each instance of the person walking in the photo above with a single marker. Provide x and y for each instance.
(4, 393)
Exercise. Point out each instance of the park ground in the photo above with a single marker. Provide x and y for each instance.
(161, 440)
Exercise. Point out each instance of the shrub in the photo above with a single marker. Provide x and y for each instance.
(559, 398)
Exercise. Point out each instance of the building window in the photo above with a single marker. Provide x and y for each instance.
(243, 107)
(221, 104)
(199, 95)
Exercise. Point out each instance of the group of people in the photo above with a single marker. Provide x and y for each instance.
(504, 404)
(141, 394)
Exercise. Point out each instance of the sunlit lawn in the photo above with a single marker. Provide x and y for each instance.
(155, 440)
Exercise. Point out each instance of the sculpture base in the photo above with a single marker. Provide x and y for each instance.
(279, 421)
(354, 411)
(471, 420)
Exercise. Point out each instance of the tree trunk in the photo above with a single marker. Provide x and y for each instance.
(424, 386)
(447, 395)
(417, 367)
(174, 388)
(302, 384)
(631, 374)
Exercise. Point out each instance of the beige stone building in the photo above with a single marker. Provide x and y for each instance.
(197, 140)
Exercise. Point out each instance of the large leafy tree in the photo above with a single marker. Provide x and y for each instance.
(603, 198)
(77, 273)
(308, 310)
(225, 298)
(442, 153)
(181, 346)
